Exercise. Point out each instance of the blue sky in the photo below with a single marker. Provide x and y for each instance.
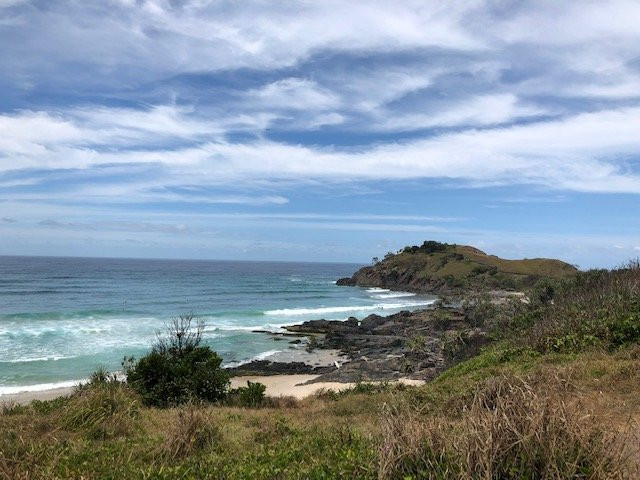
(319, 131)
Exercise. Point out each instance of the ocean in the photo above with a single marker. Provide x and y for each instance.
(61, 318)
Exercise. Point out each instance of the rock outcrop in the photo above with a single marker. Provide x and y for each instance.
(415, 344)
(266, 367)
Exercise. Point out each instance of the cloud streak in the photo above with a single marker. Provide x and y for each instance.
(584, 152)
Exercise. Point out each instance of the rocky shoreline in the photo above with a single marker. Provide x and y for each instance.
(409, 344)
(418, 344)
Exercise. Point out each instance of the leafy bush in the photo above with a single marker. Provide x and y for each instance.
(626, 330)
(543, 292)
(250, 396)
(362, 388)
(594, 308)
(429, 246)
(480, 310)
(178, 369)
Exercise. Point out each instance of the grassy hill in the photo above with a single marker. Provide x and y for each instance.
(443, 268)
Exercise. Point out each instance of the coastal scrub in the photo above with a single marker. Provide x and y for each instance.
(178, 369)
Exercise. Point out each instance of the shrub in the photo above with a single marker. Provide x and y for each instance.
(250, 396)
(282, 401)
(429, 246)
(597, 307)
(418, 344)
(626, 330)
(362, 388)
(48, 406)
(178, 369)
(480, 310)
(543, 292)
(441, 319)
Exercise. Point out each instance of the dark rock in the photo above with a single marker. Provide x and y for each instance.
(398, 345)
(352, 322)
(266, 367)
(324, 326)
(360, 371)
(372, 321)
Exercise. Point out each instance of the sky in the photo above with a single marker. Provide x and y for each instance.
(319, 131)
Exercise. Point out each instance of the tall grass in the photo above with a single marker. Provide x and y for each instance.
(511, 430)
(193, 431)
(103, 410)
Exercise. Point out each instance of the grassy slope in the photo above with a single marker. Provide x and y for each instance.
(543, 267)
(465, 267)
(326, 437)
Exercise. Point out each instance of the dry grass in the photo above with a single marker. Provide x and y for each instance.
(282, 401)
(513, 428)
(193, 431)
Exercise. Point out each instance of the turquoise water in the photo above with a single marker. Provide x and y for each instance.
(60, 318)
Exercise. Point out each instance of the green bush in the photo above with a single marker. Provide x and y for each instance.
(178, 369)
(429, 246)
(250, 396)
(47, 406)
(625, 331)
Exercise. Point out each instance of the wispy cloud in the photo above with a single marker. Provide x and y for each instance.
(580, 152)
(120, 226)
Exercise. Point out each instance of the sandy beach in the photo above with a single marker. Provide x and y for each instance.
(294, 385)
(277, 385)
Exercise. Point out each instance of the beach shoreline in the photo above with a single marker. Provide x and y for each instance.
(277, 386)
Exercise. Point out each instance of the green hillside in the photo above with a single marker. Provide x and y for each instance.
(435, 267)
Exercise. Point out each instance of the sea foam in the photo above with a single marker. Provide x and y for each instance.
(352, 308)
(10, 390)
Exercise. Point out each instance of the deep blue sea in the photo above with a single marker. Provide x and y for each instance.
(61, 318)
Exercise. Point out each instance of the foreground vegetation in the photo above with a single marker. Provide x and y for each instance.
(554, 396)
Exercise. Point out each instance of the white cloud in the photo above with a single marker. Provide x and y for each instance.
(159, 37)
(478, 111)
(578, 152)
(294, 93)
